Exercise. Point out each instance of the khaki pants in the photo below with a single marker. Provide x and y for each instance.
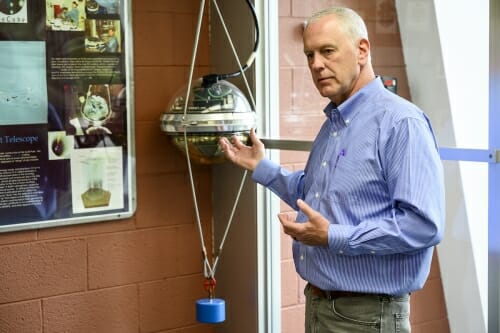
(372, 313)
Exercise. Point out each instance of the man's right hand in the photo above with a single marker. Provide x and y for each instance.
(244, 156)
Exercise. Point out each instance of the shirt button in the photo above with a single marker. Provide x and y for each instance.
(347, 121)
(301, 257)
(341, 252)
(334, 134)
(316, 195)
(324, 163)
(372, 252)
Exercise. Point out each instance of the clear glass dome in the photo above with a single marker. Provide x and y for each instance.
(213, 110)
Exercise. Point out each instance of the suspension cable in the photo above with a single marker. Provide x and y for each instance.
(186, 146)
(209, 270)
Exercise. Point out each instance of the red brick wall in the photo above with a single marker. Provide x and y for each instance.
(300, 118)
(137, 275)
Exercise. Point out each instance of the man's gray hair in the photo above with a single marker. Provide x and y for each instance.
(350, 21)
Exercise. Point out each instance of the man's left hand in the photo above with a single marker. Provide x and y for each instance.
(312, 232)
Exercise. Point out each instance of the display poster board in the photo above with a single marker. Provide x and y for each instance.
(66, 118)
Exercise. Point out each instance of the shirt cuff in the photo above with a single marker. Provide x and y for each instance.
(265, 172)
(338, 237)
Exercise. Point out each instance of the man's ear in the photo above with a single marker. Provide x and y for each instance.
(363, 51)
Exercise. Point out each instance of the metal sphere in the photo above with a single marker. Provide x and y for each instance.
(213, 110)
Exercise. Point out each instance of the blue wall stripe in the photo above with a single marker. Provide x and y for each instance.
(463, 154)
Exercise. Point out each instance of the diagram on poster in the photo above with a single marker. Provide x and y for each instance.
(23, 87)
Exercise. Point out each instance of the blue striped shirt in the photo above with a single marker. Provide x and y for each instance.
(374, 172)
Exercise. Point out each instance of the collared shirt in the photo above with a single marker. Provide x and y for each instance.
(374, 172)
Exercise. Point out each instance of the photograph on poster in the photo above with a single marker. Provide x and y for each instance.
(102, 36)
(96, 179)
(95, 114)
(23, 88)
(60, 145)
(13, 11)
(102, 7)
(65, 15)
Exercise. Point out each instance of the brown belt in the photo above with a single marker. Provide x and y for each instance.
(334, 294)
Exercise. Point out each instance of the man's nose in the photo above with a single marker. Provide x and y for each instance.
(315, 62)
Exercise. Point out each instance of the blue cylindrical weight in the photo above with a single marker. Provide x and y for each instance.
(210, 310)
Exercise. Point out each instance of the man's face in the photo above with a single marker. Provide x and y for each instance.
(332, 57)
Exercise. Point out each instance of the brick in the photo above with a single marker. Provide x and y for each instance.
(42, 269)
(305, 8)
(166, 6)
(290, 156)
(435, 326)
(21, 317)
(381, 35)
(104, 311)
(435, 272)
(290, 42)
(184, 28)
(154, 150)
(147, 28)
(286, 247)
(284, 207)
(170, 303)
(293, 319)
(85, 229)
(285, 8)
(286, 89)
(294, 126)
(205, 328)
(158, 86)
(166, 199)
(428, 304)
(17, 237)
(144, 255)
(131, 257)
(190, 259)
(306, 98)
(157, 154)
(163, 200)
(302, 286)
(289, 284)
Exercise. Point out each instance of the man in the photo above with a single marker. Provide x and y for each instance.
(370, 201)
(74, 14)
(112, 42)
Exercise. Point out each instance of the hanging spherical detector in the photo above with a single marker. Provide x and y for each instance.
(213, 110)
(197, 116)
(208, 108)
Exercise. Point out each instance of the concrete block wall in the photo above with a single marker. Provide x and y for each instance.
(300, 118)
(142, 274)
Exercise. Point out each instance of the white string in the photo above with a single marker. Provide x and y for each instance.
(186, 146)
(208, 270)
(230, 220)
(234, 53)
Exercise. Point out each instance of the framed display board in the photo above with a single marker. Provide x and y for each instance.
(66, 114)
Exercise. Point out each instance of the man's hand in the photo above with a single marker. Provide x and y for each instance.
(312, 232)
(244, 156)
